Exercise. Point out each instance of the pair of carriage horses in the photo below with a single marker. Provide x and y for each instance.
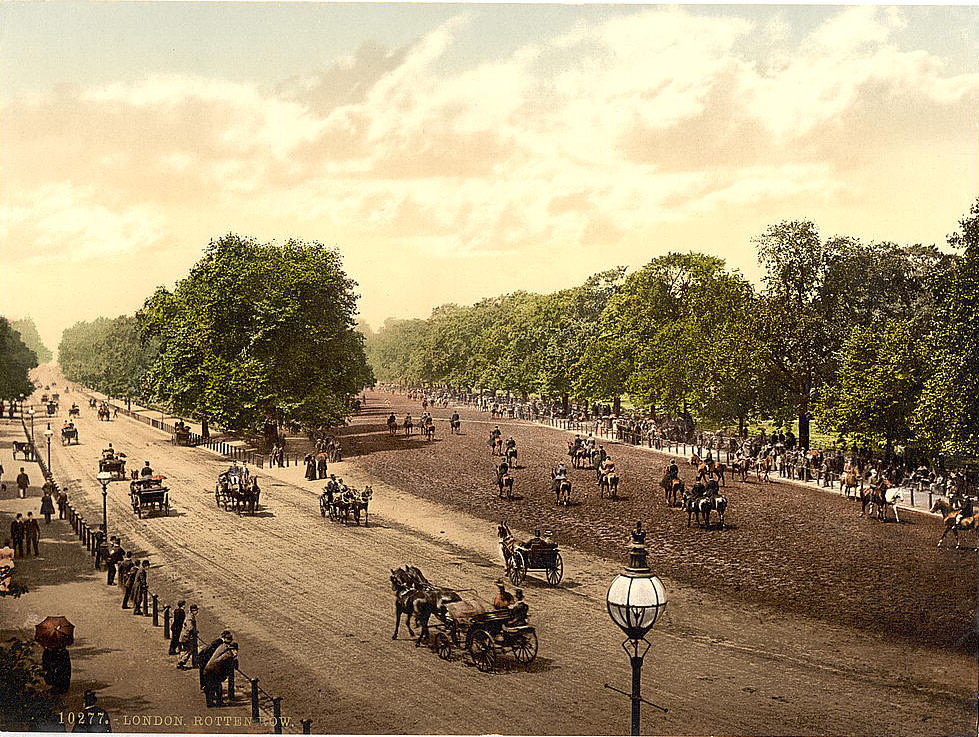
(700, 502)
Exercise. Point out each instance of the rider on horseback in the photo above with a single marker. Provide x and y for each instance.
(673, 472)
(966, 511)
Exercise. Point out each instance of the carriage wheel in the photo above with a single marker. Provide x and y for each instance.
(556, 572)
(483, 651)
(443, 646)
(518, 569)
(525, 647)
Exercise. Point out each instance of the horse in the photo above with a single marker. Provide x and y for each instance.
(497, 446)
(740, 466)
(429, 429)
(691, 502)
(505, 482)
(407, 427)
(764, 466)
(952, 524)
(408, 601)
(877, 498)
(705, 469)
(455, 425)
(392, 426)
(673, 488)
(425, 601)
(23, 447)
(713, 502)
(562, 488)
(849, 480)
(68, 434)
(511, 456)
(610, 484)
(104, 413)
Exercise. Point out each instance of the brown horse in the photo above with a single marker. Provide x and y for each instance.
(949, 516)
(708, 470)
(673, 489)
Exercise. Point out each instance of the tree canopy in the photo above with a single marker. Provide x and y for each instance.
(110, 355)
(258, 332)
(32, 339)
(16, 361)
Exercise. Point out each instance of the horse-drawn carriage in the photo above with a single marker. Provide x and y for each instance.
(343, 503)
(114, 464)
(150, 495)
(69, 433)
(237, 489)
(537, 554)
(484, 635)
(181, 434)
(74, 411)
(24, 447)
(104, 414)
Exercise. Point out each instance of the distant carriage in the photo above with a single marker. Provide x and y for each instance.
(24, 448)
(238, 490)
(52, 408)
(69, 434)
(536, 554)
(181, 434)
(149, 495)
(115, 465)
(341, 505)
(74, 411)
(485, 636)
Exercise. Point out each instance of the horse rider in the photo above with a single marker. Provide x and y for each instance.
(673, 472)
(966, 511)
(454, 418)
(146, 472)
(511, 443)
(606, 468)
(602, 454)
(590, 442)
(562, 471)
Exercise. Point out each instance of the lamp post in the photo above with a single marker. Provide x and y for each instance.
(30, 413)
(104, 478)
(635, 600)
(47, 435)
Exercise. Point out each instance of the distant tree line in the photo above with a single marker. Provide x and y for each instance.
(878, 342)
(32, 339)
(255, 336)
(16, 362)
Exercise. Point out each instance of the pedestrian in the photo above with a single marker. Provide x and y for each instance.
(6, 566)
(47, 506)
(188, 634)
(17, 532)
(112, 560)
(23, 483)
(177, 626)
(32, 531)
(219, 668)
(101, 548)
(93, 717)
(310, 460)
(62, 504)
(130, 584)
(124, 567)
(141, 590)
(56, 663)
(321, 467)
(204, 657)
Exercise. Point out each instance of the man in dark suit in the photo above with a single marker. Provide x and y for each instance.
(112, 560)
(17, 533)
(101, 551)
(124, 568)
(32, 531)
(205, 655)
(176, 625)
(130, 584)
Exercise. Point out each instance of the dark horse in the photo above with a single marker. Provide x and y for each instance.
(414, 595)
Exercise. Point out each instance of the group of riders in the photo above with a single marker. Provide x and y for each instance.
(426, 424)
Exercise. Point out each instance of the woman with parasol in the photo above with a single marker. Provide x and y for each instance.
(55, 634)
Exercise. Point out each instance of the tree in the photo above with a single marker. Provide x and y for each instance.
(879, 384)
(26, 704)
(947, 416)
(32, 339)
(110, 355)
(16, 362)
(258, 334)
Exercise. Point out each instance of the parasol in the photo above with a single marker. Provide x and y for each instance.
(54, 633)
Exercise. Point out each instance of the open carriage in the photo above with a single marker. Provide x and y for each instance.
(149, 495)
(341, 505)
(69, 434)
(536, 554)
(52, 408)
(485, 635)
(181, 435)
(237, 489)
(114, 464)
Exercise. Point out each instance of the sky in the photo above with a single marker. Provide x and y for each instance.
(455, 152)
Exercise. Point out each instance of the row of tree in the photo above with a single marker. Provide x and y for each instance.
(256, 335)
(877, 341)
(16, 362)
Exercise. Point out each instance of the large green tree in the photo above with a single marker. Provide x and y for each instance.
(32, 339)
(16, 362)
(110, 355)
(947, 416)
(257, 334)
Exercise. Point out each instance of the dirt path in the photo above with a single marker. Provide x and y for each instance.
(311, 603)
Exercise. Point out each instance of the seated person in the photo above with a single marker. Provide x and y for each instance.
(145, 472)
(503, 598)
(519, 611)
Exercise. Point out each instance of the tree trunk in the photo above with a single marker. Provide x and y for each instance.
(804, 429)
(617, 405)
(205, 433)
(565, 402)
(742, 427)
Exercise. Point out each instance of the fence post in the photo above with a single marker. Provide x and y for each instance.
(231, 685)
(307, 723)
(912, 496)
(193, 650)
(156, 612)
(166, 621)
(277, 713)
(146, 601)
(254, 683)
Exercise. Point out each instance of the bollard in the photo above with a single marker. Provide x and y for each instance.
(231, 686)
(193, 650)
(146, 601)
(912, 496)
(166, 621)
(307, 723)
(156, 612)
(254, 683)
(277, 713)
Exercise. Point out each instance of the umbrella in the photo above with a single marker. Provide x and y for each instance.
(54, 633)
